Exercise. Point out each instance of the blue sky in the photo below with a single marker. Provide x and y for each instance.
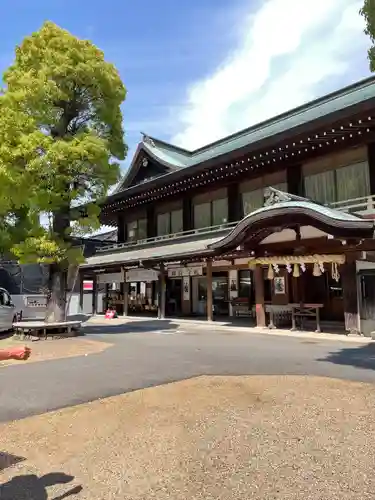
(197, 70)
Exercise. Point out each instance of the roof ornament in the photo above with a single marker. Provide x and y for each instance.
(147, 140)
(273, 196)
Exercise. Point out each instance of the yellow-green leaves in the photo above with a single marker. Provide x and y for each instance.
(368, 12)
(61, 138)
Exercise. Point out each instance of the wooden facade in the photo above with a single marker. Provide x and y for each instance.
(202, 212)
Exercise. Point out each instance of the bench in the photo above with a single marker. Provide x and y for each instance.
(44, 329)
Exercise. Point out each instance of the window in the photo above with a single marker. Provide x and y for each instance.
(344, 183)
(219, 211)
(137, 230)
(169, 223)
(252, 200)
(212, 213)
(177, 221)
(244, 284)
(202, 215)
(163, 224)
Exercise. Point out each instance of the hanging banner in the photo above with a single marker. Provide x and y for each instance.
(111, 277)
(140, 275)
(179, 272)
(186, 288)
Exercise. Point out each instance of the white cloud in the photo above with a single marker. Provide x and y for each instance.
(287, 53)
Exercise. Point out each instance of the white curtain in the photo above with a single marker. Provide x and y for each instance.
(142, 229)
(163, 224)
(202, 215)
(353, 181)
(252, 200)
(321, 187)
(176, 221)
(219, 211)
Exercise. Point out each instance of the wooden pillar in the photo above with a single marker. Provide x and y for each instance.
(81, 278)
(151, 223)
(295, 180)
(162, 295)
(106, 301)
(259, 296)
(234, 203)
(94, 295)
(121, 229)
(187, 214)
(125, 291)
(209, 304)
(349, 288)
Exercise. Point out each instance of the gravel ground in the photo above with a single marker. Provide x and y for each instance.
(43, 350)
(207, 438)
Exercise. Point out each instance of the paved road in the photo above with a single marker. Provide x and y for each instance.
(142, 356)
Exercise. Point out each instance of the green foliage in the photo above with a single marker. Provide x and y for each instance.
(61, 138)
(368, 12)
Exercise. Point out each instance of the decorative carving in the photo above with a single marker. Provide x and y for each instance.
(147, 140)
(144, 162)
(273, 196)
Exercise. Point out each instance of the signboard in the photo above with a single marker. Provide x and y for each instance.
(36, 301)
(88, 285)
(141, 275)
(178, 272)
(111, 278)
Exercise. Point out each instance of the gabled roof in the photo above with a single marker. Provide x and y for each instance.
(149, 148)
(176, 158)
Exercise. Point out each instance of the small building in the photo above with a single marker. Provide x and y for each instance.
(275, 222)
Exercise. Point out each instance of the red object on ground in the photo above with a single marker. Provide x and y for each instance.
(110, 314)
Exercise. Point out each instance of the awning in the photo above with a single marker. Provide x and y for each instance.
(166, 252)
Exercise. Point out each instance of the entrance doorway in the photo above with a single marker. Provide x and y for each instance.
(173, 297)
(220, 294)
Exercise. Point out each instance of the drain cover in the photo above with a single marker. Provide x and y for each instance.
(7, 460)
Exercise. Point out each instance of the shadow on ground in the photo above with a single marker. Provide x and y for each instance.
(129, 327)
(32, 487)
(360, 357)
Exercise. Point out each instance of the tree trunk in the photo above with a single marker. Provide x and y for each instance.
(58, 272)
(56, 300)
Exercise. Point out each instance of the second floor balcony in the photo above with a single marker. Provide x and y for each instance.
(362, 207)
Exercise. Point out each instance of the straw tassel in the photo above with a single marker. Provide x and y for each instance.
(317, 271)
(296, 271)
(271, 273)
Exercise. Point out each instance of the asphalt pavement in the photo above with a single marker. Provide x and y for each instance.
(142, 356)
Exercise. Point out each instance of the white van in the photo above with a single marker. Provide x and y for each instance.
(7, 311)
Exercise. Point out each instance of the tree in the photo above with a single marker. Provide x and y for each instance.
(368, 12)
(61, 138)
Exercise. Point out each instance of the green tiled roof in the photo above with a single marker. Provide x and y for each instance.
(337, 101)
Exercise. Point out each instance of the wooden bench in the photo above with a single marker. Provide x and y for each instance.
(41, 328)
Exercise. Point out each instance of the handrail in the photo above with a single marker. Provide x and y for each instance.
(167, 237)
(355, 204)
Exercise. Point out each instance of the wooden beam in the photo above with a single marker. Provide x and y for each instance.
(259, 296)
(348, 274)
(125, 291)
(162, 293)
(209, 302)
